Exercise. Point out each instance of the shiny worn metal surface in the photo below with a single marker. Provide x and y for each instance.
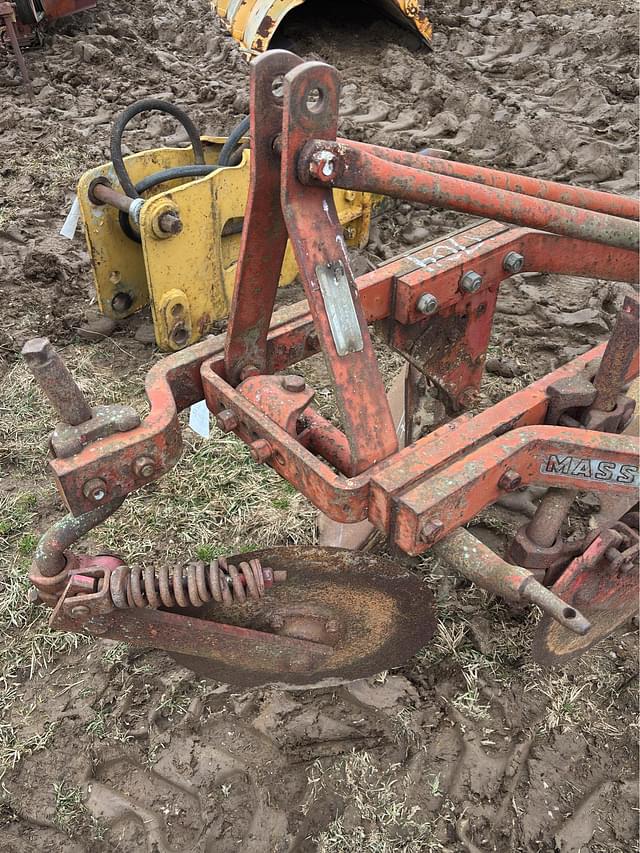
(381, 615)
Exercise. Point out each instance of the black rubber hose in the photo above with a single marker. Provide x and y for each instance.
(195, 170)
(235, 136)
(120, 126)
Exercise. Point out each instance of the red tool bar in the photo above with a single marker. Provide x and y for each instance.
(353, 169)
(599, 202)
(543, 455)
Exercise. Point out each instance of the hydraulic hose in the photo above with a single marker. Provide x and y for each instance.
(229, 156)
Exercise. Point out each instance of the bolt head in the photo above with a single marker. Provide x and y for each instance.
(430, 531)
(513, 262)
(427, 304)
(471, 282)
(323, 166)
(37, 351)
(144, 467)
(95, 490)
(226, 420)
(510, 481)
(170, 223)
(294, 384)
(80, 611)
(260, 450)
(331, 627)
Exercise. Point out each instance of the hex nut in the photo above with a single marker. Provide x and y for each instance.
(260, 450)
(510, 481)
(80, 611)
(95, 489)
(430, 531)
(427, 304)
(227, 420)
(513, 262)
(470, 282)
(144, 467)
(294, 384)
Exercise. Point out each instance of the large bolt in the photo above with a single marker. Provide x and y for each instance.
(323, 166)
(513, 262)
(144, 467)
(260, 450)
(295, 384)
(430, 531)
(470, 282)
(510, 481)
(226, 420)
(170, 222)
(80, 611)
(427, 304)
(95, 490)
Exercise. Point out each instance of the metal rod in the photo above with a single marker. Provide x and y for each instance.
(353, 169)
(11, 30)
(54, 379)
(50, 558)
(479, 564)
(107, 195)
(615, 205)
(546, 524)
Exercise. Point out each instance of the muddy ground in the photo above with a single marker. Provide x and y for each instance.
(469, 746)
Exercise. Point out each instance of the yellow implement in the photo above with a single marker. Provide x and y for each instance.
(186, 277)
(253, 22)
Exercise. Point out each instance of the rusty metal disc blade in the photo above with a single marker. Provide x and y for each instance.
(607, 599)
(372, 613)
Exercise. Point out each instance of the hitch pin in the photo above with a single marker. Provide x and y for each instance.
(479, 564)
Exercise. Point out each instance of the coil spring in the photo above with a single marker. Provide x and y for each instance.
(194, 585)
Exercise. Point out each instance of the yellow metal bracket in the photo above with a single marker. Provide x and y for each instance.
(188, 277)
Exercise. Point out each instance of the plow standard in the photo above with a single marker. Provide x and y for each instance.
(309, 615)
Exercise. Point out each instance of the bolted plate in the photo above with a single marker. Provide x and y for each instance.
(607, 599)
(373, 613)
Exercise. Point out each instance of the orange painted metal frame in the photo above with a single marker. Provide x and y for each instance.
(450, 474)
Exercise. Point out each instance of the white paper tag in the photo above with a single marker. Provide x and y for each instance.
(199, 419)
(68, 230)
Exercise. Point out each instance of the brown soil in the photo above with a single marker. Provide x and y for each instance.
(166, 763)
